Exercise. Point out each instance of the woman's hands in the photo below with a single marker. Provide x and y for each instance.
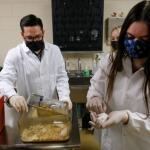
(97, 105)
(105, 121)
(116, 117)
(97, 120)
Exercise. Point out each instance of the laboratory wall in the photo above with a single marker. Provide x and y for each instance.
(11, 11)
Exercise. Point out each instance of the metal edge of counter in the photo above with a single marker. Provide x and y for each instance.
(74, 136)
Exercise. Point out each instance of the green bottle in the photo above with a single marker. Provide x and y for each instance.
(86, 72)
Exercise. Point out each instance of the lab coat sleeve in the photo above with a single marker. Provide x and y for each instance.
(62, 78)
(8, 75)
(98, 81)
(138, 125)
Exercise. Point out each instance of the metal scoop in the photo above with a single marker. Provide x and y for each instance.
(51, 107)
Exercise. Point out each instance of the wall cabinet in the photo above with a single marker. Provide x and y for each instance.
(78, 24)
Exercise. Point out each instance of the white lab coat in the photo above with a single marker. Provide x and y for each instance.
(127, 95)
(23, 70)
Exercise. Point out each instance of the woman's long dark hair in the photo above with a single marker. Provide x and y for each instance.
(140, 12)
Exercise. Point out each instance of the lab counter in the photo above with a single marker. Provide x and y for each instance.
(10, 139)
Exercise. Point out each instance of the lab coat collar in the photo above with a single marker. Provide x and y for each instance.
(127, 65)
(27, 50)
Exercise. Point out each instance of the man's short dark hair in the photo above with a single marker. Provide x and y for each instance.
(30, 20)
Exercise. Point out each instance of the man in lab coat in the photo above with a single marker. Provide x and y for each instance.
(34, 66)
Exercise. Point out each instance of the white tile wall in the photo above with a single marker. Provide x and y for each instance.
(11, 11)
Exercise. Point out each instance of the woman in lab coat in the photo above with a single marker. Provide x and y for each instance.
(121, 87)
(34, 66)
(114, 37)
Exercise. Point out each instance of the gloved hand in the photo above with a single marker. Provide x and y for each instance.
(116, 117)
(96, 105)
(19, 103)
(69, 103)
(97, 120)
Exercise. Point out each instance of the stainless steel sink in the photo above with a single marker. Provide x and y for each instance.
(79, 80)
(79, 86)
(76, 78)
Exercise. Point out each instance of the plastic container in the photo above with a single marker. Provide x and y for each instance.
(46, 120)
(2, 116)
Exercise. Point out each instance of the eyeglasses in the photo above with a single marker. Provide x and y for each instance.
(36, 38)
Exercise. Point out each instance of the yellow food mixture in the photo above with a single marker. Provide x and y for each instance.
(46, 132)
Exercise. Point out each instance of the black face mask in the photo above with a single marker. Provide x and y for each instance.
(114, 44)
(35, 46)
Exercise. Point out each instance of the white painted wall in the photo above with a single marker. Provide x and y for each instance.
(11, 11)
